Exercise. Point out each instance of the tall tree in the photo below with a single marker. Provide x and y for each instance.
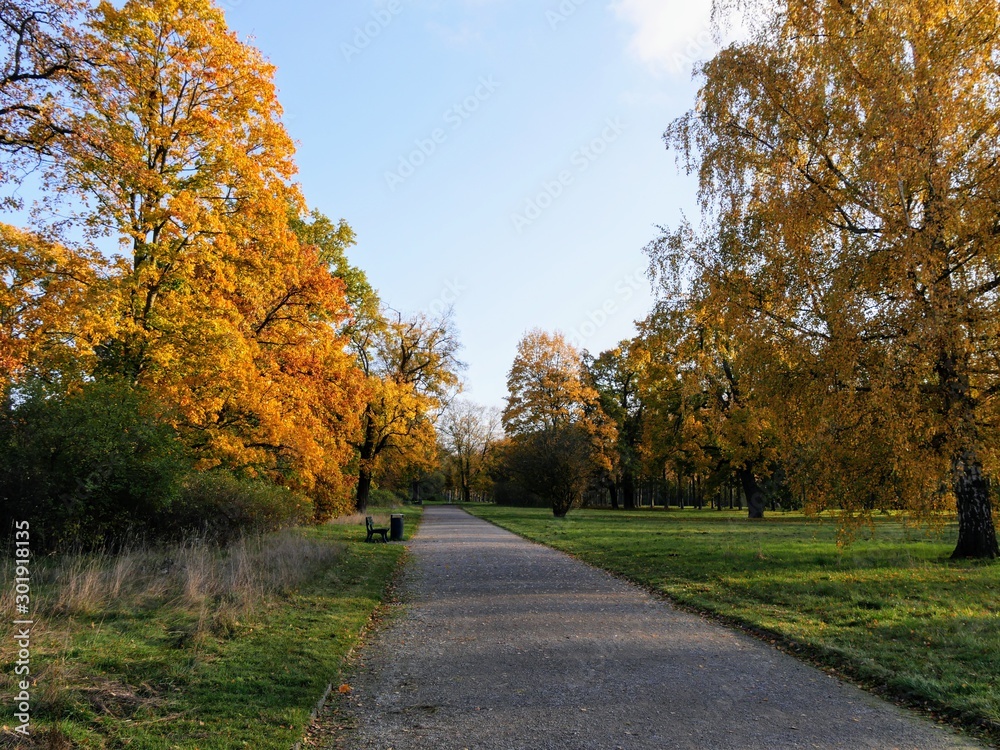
(559, 436)
(412, 371)
(849, 175)
(178, 152)
(615, 375)
(469, 433)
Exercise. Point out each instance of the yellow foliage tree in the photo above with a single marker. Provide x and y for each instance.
(560, 438)
(412, 372)
(847, 159)
(223, 314)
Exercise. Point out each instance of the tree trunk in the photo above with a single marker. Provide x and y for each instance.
(755, 498)
(561, 505)
(364, 489)
(977, 535)
(613, 491)
(628, 490)
(367, 455)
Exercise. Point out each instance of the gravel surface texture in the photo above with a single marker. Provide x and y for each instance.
(503, 644)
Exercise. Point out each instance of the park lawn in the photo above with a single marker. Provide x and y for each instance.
(889, 610)
(155, 677)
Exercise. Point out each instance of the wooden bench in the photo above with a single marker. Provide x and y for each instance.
(372, 531)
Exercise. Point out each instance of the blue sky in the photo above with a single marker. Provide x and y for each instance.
(503, 156)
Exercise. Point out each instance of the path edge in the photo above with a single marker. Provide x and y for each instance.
(391, 602)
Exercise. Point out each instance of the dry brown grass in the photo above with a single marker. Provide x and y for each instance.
(52, 739)
(194, 573)
(222, 588)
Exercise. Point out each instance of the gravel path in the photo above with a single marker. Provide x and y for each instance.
(506, 644)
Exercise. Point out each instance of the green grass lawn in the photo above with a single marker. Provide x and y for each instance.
(889, 610)
(156, 671)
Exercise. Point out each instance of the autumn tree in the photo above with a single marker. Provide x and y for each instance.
(709, 374)
(179, 155)
(848, 176)
(53, 306)
(469, 432)
(223, 313)
(559, 437)
(615, 376)
(38, 53)
(412, 371)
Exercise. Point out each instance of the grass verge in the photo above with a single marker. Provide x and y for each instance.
(193, 647)
(889, 611)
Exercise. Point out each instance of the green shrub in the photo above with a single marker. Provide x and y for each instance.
(380, 498)
(222, 507)
(89, 468)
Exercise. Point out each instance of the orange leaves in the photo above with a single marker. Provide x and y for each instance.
(218, 310)
(545, 384)
(241, 318)
(53, 305)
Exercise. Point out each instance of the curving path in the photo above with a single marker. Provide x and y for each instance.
(506, 644)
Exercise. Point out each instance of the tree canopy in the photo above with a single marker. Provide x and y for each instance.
(559, 437)
(846, 155)
(231, 313)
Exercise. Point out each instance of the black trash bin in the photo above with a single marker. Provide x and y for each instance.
(396, 527)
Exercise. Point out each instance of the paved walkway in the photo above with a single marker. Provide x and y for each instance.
(506, 644)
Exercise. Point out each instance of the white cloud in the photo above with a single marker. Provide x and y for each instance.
(669, 35)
